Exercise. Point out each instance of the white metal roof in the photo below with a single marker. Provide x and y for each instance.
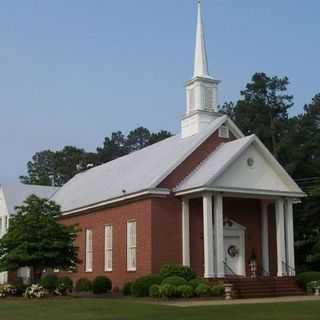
(138, 171)
(16, 193)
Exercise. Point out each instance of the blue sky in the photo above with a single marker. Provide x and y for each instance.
(74, 71)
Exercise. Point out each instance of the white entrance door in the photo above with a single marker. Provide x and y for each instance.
(232, 254)
(234, 249)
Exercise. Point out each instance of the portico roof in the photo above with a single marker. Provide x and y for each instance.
(244, 165)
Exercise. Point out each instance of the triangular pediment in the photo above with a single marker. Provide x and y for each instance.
(244, 166)
(253, 169)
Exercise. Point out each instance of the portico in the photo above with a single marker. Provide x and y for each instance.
(215, 222)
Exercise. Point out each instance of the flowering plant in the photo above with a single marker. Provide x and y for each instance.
(313, 286)
(35, 291)
(7, 290)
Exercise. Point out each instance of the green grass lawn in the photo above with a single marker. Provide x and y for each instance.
(100, 309)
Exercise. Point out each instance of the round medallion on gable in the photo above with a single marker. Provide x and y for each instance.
(250, 162)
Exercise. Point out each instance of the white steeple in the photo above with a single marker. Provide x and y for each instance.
(202, 90)
(200, 61)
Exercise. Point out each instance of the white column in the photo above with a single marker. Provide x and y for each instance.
(218, 234)
(281, 249)
(265, 237)
(185, 233)
(290, 236)
(208, 236)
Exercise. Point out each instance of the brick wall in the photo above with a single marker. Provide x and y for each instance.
(117, 217)
(166, 232)
(193, 160)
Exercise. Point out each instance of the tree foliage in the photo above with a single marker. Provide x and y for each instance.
(55, 168)
(263, 109)
(37, 240)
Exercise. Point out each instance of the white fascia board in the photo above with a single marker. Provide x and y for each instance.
(234, 129)
(246, 193)
(149, 192)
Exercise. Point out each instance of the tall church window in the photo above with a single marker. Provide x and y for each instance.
(89, 251)
(108, 248)
(131, 246)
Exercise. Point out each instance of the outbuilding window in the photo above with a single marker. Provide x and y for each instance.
(89, 251)
(131, 246)
(108, 248)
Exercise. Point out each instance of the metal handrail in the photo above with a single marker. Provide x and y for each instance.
(289, 271)
(228, 268)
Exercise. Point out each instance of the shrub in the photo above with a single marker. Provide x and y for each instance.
(185, 291)
(203, 290)
(195, 282)
(217, 290)
(83, 285)
(154, 291)
(175, 281)
(168, 291)
(306, 277)
(36, 291)
(101, 285)
(170, 270)
(49, 282)
(140, 287)
(65, 285)
(126, 290)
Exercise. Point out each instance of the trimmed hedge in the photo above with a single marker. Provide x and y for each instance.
(305, 277)
(185, 291)
(168, 291)
(83, 285)
(101, 284)
(203, 290)
(126, 290)
(175, 281)
(155, 291)
(140, 287)
(217, 291)
(49, 282)
(170, 270)
(195, 282)
(65, 284)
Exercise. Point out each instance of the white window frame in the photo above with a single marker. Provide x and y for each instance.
(89, 250)
(131, 246)
(108, 246)
(224, 132)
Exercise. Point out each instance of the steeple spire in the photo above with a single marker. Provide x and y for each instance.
(201, 61)
(202, 90)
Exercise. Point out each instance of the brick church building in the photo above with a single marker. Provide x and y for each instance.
(208, 197)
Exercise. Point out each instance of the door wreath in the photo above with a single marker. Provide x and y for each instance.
(233, 251)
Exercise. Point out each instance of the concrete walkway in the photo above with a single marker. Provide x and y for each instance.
(185, 304)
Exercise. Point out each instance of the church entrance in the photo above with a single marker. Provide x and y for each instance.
(234, 249)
